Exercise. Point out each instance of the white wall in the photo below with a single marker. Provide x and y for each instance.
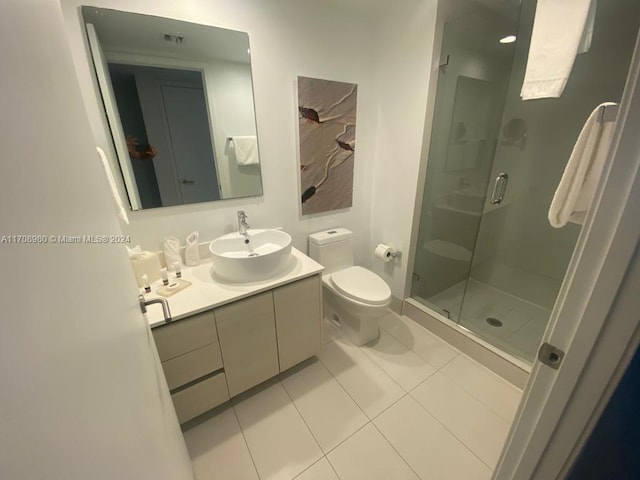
(388, 56)
(404, 43)
(82, 395)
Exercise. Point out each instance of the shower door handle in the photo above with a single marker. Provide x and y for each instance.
(499, 188)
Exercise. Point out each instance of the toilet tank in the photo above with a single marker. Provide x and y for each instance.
(333, 249)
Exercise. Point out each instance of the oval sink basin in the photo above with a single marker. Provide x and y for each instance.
(259, 255)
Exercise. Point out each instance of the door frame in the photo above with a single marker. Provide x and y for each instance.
(136, 59)
(591, 320)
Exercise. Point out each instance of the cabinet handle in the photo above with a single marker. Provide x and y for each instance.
(188, 182)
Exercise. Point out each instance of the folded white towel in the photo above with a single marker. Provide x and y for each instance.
(246, 150)
(581, 175)
(122, 213)
(557, 31)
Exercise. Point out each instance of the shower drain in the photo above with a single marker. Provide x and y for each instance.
(494, 322)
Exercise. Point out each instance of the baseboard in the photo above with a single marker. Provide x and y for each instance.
(396, 305)
(513, 370)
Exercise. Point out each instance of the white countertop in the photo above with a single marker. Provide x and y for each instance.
(206, 293)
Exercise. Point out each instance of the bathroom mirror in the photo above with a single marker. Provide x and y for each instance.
(179, 101)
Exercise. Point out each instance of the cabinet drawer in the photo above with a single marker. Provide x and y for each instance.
(203, 396)
(185, 335)
(193, 365)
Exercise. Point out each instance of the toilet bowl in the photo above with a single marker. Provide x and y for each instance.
(354, 298)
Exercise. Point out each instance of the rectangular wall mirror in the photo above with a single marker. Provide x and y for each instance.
(179, 101)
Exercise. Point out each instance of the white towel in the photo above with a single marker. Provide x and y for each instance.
(580, 179)
(122, 213)
(246, 150)
(557, 31)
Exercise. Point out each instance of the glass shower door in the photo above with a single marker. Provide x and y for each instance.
(472, 85)
(519, 260)
(487, 256)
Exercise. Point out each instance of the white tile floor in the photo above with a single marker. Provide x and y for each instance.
(523, 322)
(408, 406)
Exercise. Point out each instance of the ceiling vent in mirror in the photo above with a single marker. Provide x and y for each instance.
(177, 39)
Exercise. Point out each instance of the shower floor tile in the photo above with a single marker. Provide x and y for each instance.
(387, 403)
(521, 323)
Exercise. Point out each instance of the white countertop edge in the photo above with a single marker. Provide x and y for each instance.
(205, 293)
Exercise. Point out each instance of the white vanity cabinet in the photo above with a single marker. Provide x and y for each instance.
(212, 356)
(192, 362)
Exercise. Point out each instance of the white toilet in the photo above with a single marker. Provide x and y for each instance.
(353, 297)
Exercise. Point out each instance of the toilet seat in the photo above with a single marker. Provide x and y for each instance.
(362, 285)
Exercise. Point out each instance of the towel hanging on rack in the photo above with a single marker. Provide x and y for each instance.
(246, 150)
(581, 176)
(558, 30)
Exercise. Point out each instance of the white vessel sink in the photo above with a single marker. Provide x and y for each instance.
(256, 256)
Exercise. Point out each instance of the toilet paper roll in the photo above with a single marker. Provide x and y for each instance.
(384, 252)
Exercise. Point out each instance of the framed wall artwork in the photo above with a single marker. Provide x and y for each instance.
(327, 130)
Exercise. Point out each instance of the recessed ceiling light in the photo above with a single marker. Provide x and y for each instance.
(249, 51)
(508, 39)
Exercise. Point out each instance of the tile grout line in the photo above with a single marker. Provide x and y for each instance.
(371, 420)
(448, 362)
(372, 362)
(489, 407)
(396, 450)
(348, 395)
(303, 421)
(453, 434)
(430, 376)
(333, 468)
(315, 463)
(344, 389)
(447, 344)
(387, 408)
(255, 467)
(372, 357)
(342, 441)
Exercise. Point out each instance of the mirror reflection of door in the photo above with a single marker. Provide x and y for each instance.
(166, 109)
(185, 114)
(183, 98)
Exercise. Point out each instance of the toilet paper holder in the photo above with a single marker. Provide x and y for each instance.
(386, 253)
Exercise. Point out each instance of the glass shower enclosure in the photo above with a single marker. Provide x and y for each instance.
(487, 257)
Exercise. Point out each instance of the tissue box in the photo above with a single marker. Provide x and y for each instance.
(146, 263)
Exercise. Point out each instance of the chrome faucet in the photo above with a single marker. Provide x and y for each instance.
(242, 223)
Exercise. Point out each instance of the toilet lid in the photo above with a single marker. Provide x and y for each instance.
(362, 285)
